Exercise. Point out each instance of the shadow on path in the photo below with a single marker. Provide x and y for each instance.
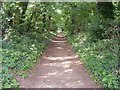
(59, 67)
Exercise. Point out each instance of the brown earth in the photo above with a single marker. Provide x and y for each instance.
(59, 67)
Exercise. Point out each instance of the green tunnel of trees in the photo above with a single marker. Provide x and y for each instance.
(92, 28)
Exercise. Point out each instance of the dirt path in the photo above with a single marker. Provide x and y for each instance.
(59, 67)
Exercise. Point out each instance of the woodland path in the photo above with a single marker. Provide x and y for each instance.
(59, 67)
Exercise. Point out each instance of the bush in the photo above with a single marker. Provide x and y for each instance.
(96, 28)
(103, 29)
(99, 59)
(20, 53)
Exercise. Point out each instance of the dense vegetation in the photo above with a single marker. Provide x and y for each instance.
(22, 42)
(97, 43)
(92, 28)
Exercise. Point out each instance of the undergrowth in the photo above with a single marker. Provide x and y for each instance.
(99, 59)
(20, 53)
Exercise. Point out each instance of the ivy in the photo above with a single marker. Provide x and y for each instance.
(92, 28)
(99, 60)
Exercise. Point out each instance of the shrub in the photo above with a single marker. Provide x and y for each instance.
(20, 53)
(99, 59)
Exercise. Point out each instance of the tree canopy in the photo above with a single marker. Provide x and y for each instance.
(27, 28)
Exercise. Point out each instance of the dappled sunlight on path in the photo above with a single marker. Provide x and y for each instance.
(59, 67)
(61, 58)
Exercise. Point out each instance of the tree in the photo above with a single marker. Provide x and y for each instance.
(106, 9)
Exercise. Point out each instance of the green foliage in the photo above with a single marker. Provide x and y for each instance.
(96, 28)
(20, 52)
(40, 17)
(99, 59)
(77, 16)
(12, 14)
(106, 9)
(27, 28)
(24, 37)
(103, 29)
(98, 45)
(7, 78)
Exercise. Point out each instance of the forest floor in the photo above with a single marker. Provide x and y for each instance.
(59, 67)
